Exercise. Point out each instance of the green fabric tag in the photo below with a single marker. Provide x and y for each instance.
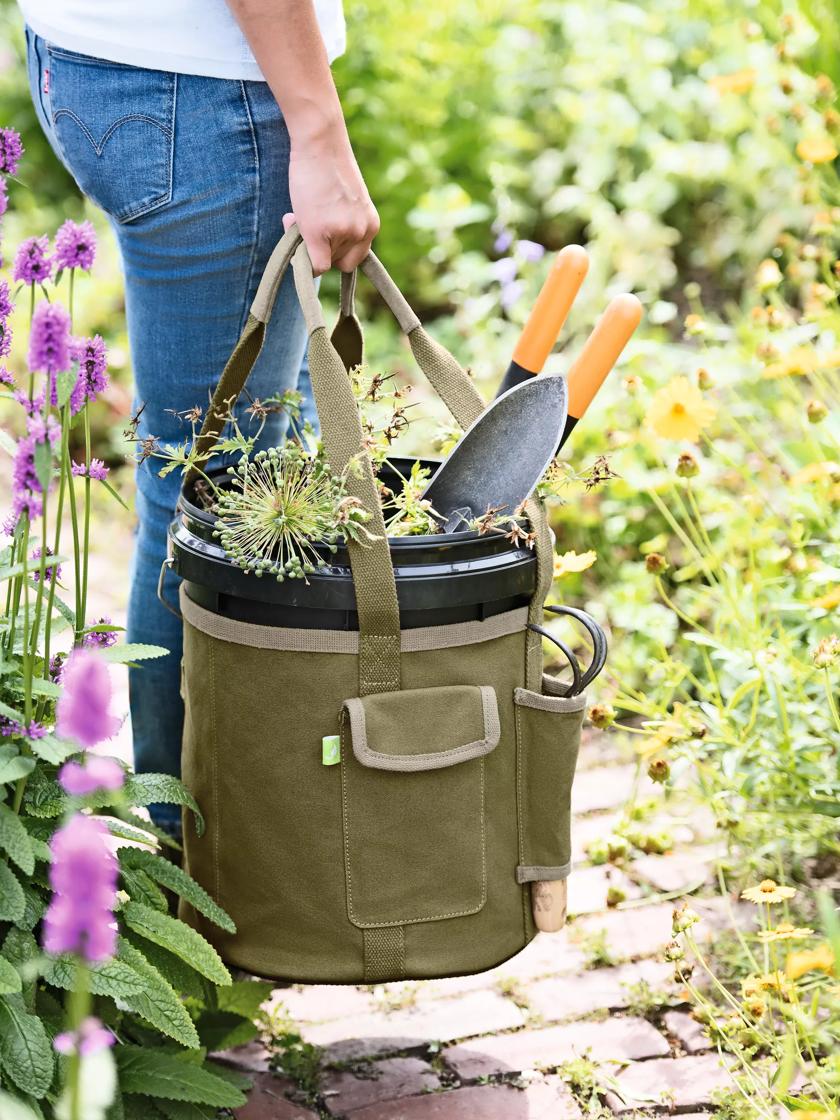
(331, 750)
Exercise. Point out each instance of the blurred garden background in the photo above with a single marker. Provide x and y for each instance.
(692, 147)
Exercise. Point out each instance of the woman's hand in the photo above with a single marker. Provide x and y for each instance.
(331, 204)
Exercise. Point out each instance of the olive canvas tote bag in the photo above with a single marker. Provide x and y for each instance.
(409, 849)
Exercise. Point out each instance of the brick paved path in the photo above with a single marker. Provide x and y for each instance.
(497, 1046)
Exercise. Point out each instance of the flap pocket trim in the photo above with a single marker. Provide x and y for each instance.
(524, 698)
(530, 874)
(434, 760)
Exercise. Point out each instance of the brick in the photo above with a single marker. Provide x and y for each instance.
(546, 1098)
(557, 998)
(428, 1020)
(266, 1102)
(690, 1034)
(316, 1003)
(387, 1080)
(673, 1082)
(621, 1039)
(589, 828)
(547, 953)
(588, 888)
(676, 871)
(642, 931)
(602, 787)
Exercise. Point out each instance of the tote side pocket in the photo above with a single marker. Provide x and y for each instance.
(547, 740)
(412, 773)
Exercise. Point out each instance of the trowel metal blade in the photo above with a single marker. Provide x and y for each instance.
(500, 459)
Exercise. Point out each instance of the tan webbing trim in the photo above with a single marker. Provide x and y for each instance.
(372, 267)
(529, 874)
(524, 698)
(275, 269)
(346, 641)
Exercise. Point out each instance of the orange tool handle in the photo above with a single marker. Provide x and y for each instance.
(601, 351)
(551, 308)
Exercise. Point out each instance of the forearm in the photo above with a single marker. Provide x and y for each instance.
(286, 41)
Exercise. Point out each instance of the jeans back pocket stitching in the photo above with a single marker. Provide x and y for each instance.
(112, 128)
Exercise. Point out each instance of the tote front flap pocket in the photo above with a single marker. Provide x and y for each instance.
(412, 772)
(547, 740)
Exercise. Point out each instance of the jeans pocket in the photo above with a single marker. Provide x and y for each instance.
(115, 127)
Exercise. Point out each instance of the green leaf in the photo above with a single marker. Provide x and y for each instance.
(137, 1107)
(34, 907)
(178, 937)
(15, 840)
(14, 766)
(159, 1004)
(140, 888)
(10, 980)
(124, 831)
(20, 949)
(132, 651)
(12, 898)
(115, 494)
(26, 1054)
(219, 1030)
(160, 1075)
(13, 1109)
(177, 973)
(244, 997)
(173, 877)
(64, 384)
(148, 789)
(42, 460)
(52, 749)
(184, 1110)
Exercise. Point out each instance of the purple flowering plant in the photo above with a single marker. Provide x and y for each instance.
(81, 871)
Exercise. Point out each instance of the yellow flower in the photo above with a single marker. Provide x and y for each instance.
(816, 149)
(784, 931)
(678, 411)
(813, 1114)
(830, 600)
(825, 471)
(739, 81)
(755, 1006)
(820, 959)
(802, 360)
(572, 562)
(769, 275)
(766, 982)
(768, 890)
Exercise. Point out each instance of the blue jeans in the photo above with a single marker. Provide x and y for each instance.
(193, 173)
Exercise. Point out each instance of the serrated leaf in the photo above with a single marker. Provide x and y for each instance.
(124, 831)
(173, 877)
(33, 909)
(13, 765)
(220, 1030)
(160, 1005)
(10, 980)
(132, 651)
(244, 997)
(52, 749)
(141, 1108)
(15, 840)
(26, 1054)
(149, 789)
(178, 938)
(177, 973)
(140, 888)
(12, 898)
(160, 1075)
(20, 949)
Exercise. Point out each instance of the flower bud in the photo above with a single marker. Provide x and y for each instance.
(659, 770)
(631, 384)
(687, 465)
(601, 715)
(656, 563)
(674, 951)
(768, 275)
(615, 895)
(695, 325)
(704, 378)
(826, 652)
(683, 918)
(816, 411)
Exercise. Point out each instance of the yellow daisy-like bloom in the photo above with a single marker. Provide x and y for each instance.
(830, 600)
(814, 1114)
(820, 959)
(816, 149)
(802, 360)
(572, 562)
(825, 471)
(766, 982)
(739, 81)
(679, 411)
(768, 890)
(784, 931)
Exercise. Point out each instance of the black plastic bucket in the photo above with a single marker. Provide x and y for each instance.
(441, 579)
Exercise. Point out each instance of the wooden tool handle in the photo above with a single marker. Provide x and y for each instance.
(548, 904)
(551, 308)
(601, 351)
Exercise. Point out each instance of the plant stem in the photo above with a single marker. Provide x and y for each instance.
(78, 1009)
(86, 546)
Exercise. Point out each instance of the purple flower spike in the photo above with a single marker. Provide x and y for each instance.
(97, 773)
(49, 342)
(83, 876)
(48, 570)
(83, 710)
(97, 470)
(6, 378)
(33, 264)
(100, 638)
(510, 294)
(90, 1037)
(75, 245)
(11, 151)
(530, 250)
(6, 303)
(504, 270)
(93, 370)
(4, 197)
(26, 487)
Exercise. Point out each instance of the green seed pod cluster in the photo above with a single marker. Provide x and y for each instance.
(283, 509)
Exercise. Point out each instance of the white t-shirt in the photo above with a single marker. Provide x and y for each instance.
(184, 36)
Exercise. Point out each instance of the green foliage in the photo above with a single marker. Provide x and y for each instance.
(26, 1054)
(160, 1075)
